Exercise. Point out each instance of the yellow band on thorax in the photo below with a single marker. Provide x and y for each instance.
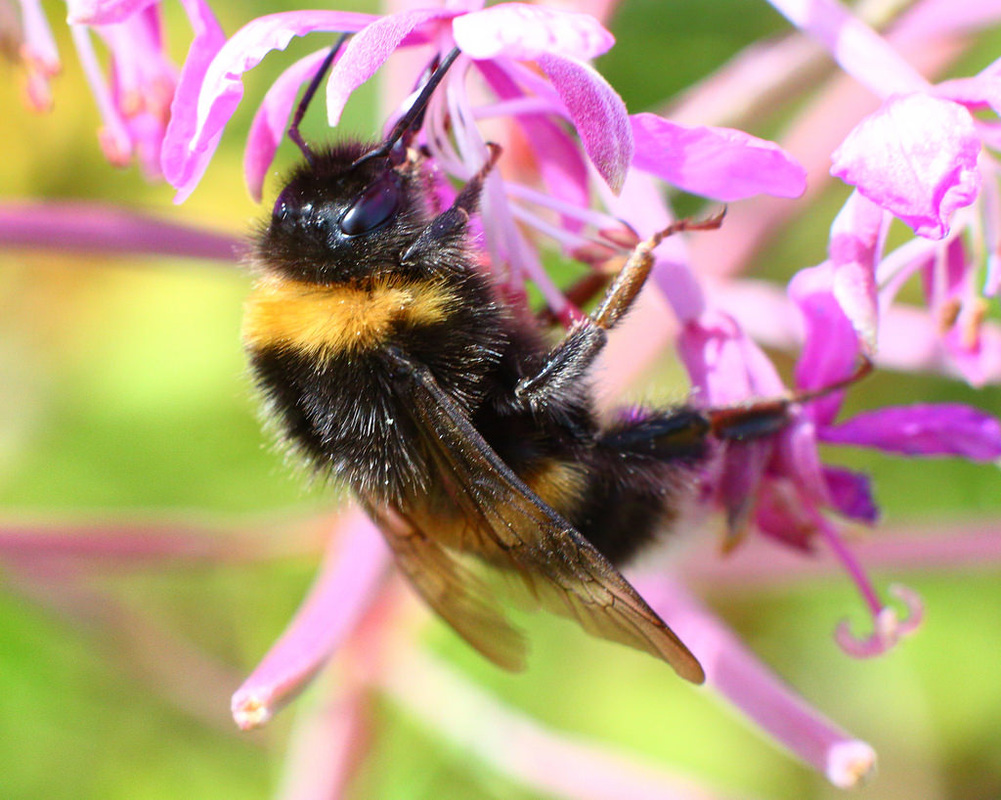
(315, 319)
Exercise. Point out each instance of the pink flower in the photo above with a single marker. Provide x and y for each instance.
(134, 97)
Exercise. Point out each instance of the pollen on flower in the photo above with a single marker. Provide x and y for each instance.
(251, 712)
(888, 626)
(850, 764)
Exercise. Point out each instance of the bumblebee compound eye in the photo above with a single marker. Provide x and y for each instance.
(374, 207)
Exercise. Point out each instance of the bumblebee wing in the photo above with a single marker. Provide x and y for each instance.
(514, 528)
(452, 589)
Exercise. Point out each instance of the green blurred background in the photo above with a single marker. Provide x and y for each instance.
(123, 396)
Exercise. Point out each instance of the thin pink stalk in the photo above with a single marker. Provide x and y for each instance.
(92, 228)
(859, 50)
(111, 544)
(352, 572)
(327, 744)
(554, 763)
(737, 674)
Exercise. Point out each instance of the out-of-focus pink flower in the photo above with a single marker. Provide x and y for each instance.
(135, 92)
(916, 157)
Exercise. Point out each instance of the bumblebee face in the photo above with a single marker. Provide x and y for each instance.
(336, 221)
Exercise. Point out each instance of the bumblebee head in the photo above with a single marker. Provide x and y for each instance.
(344, 216)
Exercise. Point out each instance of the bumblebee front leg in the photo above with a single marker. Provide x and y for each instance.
(571, 358)
(450, 225)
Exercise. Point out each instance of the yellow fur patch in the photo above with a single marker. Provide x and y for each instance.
(325, 320)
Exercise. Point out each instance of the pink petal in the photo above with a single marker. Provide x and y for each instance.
(725, 366)
(977, 92)
(797, 457)
(939, 429)
(597, 112)
(917, 158)
(343, 590)
(368, 50)
(203, 106)
(103, 12)
(559, 160)
(524, 32)
(721, 163)
(272, 119)
(830, 346)
(854, 249)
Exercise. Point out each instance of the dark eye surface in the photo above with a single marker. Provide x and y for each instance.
(374, 207)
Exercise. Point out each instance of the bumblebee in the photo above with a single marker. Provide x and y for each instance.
(390, 361)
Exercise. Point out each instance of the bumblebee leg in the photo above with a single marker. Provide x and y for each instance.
(766, 417)
(450, 225)
(575, 353)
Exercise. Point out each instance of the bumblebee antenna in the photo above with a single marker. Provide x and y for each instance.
(307, 98)
(414, 113)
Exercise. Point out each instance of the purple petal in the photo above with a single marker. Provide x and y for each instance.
(942, 429)
(851, 494)
(368, 50)
(797, 457)
(597, 112)
(345, 587)
(103, 12)
(917, 158)
(783, 514)
(525, 32)
(858, 49)
(721, 163)
(272, 118)
(202, 108)
(830, 346)
(737, 486)
(944, 278)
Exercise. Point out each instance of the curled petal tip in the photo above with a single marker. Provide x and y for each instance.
(850, 764)
(888, 628)
(250, 712)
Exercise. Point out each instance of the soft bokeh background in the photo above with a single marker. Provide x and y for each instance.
(122, 395)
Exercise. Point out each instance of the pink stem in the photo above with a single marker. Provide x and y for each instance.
(88, 227)
(737, 674)
(346, 586)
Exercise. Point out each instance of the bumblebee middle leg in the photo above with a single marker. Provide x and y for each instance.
(571, 358)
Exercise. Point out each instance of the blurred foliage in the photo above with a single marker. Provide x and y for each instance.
(122, 393)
